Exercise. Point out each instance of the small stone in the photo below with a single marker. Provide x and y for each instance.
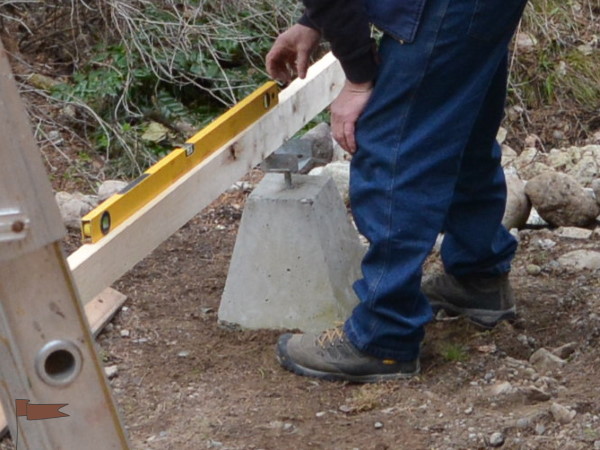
(287, 427)
(580, 260)
(532, 394)
(320, 414)
(533, 269)
(562, 414)
(346, 409)
(496, 439)
(124, 333)
(378, 425)
(574, 232)
(502, 388)
(564, 351)
(546, 360)
(540, 428)
(111, 371)
(469, 410)
(109, 188)
(183, 354)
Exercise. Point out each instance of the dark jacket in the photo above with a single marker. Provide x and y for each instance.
(345, 24)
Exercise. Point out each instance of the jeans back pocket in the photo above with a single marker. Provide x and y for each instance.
(495, 20)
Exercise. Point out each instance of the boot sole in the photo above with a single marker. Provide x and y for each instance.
(298, 369)
(482, 317)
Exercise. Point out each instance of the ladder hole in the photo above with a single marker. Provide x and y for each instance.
(60, 365)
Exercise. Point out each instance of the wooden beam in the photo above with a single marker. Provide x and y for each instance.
(99, 311)
(96, 266)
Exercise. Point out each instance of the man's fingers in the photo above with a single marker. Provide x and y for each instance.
(302, 64)
(349, 130)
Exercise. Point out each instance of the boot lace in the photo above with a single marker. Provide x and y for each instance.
(331, 337)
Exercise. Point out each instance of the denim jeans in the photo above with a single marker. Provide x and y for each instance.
(427, 162)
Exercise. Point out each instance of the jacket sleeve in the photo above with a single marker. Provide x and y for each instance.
(345, 25)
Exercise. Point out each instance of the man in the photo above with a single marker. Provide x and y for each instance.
(420, 115)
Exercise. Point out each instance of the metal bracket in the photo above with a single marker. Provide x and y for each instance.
(13, 225)
(189, 148)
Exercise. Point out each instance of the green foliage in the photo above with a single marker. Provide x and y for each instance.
(180, 64)
(454, 352)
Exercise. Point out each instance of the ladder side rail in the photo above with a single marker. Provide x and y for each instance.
(46, 349)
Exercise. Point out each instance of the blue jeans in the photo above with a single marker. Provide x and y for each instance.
(427, 162)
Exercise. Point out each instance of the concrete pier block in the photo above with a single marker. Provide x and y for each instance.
(295, 258)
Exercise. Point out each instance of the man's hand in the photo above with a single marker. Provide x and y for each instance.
(345, 111)
(291, 53)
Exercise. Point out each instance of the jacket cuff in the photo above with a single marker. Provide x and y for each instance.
(304, 20)
(360, 68)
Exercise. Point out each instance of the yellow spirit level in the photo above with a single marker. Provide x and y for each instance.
(115, 210)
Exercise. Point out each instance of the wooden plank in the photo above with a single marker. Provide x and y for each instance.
(102, 309)
(99, 312)
(95, 266)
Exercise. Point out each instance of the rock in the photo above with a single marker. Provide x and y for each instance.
(496, 439)
(561, 200)
(535, 220)
(525, 42)
(340, 172)
(533, 269)
(110, 187)
(574, 233)
(322, 143)
(566, 350)
(596, 188)
(581, 259)
(501, 135)
(503, 388)
(111, 371)
(74, 206)
(508, 155)
(559, 160)
(532, 394)
(562, 414)
(378, 425)
(518, 205)
(543, 359)
(124, 333)
(586, 170)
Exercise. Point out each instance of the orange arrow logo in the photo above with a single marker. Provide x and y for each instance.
(39, 412)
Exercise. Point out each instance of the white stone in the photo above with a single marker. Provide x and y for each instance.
(295, 258)
(596, 189)
(535, 220)
(518, 205)
(581, 259)
(109, 188)
(340, 172)
(496, 439)
(502, 388)
(501, 135)
(508, 155)
(546, 360)
(562, 414)
(111, 371)
(574, 233)
(74, 206)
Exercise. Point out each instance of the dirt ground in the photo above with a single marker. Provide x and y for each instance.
(184, 382)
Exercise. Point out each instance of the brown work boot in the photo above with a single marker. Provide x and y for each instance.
(484, 300)
(331, 356)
